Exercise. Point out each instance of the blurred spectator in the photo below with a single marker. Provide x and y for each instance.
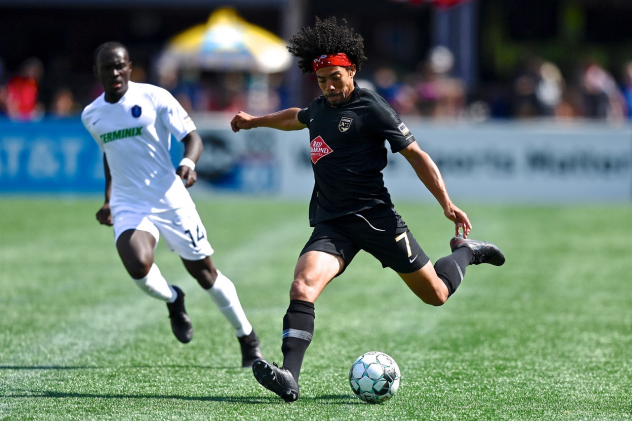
(401, 96)
(365, 84)
(3, 91)
(263, 93)
(525, 101)
(229, 94)
(497, 97)
(63, 104)
(59, 74)
(386, 84)
(139, 74)
(440, 95)
(539, 90)
(570, 104)
(184, 86)
(626, 88)
(22, 91)
(405, 101)
(550, 88)
(601, 97)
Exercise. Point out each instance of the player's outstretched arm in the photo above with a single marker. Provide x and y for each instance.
(285, 120)
(192, 151)
(429, 174)
(104, 215)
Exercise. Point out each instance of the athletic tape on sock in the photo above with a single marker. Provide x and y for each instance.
(295, 333)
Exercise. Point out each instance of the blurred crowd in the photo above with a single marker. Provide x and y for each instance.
(538, 89)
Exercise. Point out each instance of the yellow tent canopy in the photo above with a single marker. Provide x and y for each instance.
(227, 43)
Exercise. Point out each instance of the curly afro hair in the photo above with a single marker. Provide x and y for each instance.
(326, 37)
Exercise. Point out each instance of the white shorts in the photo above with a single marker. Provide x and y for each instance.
(182, 229)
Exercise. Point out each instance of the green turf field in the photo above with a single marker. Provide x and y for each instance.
(548, 336)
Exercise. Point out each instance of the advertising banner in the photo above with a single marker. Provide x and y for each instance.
(518, 163)
(502, 162)
(53, 156)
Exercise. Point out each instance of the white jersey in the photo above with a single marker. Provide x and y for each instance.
(135, 135)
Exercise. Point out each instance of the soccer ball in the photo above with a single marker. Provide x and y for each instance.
(374, 377)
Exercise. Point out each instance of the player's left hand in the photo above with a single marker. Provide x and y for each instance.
(188, 175)
(460, 219)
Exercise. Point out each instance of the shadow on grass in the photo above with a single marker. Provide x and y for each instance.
(45, 367)
(336, 400)
(89, 367)
(65, 395)
(325, 399)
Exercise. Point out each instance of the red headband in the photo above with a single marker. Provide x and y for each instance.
(327, 60)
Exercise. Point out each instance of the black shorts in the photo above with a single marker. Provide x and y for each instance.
(379, 231)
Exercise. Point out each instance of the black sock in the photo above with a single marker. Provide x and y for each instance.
(451, 269)
(298, 328)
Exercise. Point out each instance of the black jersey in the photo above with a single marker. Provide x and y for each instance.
(348, 153)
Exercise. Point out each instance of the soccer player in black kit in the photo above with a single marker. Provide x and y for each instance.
(350, 208)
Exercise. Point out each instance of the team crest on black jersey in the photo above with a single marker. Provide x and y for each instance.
(136, 111)
(345, 124)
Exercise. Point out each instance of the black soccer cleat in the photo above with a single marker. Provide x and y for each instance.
(483, 251)
(277, 380)
(180, 322)
(250, 349)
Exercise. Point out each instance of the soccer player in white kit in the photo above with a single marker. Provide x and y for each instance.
(145, 196)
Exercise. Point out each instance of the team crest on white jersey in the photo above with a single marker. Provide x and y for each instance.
(345, 124)
(136, 111)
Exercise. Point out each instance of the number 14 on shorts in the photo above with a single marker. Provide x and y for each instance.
(199, 235)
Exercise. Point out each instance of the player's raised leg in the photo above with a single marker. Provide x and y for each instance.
(136, 249)
(313, 272)
(434, 285)
(224, 294)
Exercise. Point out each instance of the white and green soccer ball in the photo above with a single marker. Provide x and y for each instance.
(374, 377)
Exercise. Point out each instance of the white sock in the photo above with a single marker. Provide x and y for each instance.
(155, 285)
(224, 295)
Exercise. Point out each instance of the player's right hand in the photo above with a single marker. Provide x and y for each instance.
(241, 121)
(188, 175)
(460, 219)
(104, 215)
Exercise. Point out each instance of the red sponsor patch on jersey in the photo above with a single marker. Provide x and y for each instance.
(319, 149)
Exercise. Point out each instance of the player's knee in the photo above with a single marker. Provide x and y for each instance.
(440, 299)
(298, 290)
(438, 302)
(301, 290)
(437, 299)
(138, 269)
